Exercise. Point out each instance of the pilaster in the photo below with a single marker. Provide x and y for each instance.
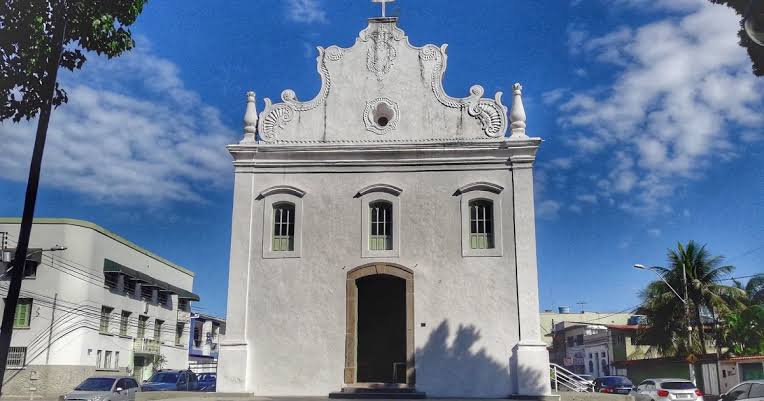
(531, 358)
(235, 352)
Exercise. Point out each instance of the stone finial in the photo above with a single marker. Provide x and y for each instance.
(250, 119)
(517, 114)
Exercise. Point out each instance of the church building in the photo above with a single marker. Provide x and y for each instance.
(383, 235)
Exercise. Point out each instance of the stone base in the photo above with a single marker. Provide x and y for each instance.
(232, 368)
(531, 367)
(383, 392)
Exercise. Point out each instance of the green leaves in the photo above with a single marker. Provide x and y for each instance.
(27, 30)
(705, 292)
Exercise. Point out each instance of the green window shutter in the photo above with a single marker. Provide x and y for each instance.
(21, 318)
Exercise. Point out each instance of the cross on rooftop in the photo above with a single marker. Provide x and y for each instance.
(384, 3)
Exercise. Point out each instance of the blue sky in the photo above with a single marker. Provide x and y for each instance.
(651, 118)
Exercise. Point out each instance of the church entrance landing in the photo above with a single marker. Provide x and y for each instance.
(379, 335)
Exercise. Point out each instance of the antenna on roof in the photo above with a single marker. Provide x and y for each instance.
(582, 303)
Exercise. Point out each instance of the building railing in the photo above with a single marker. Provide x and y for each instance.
(145, 346)
(565, 380)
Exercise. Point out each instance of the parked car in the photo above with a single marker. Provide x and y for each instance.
(752, 390)
(171, 380)
(586, 382)
(207, 382)
(105, 388)
(668, 390)
(613, 385)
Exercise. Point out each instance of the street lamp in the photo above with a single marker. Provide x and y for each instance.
(6, 256)
(685, 300)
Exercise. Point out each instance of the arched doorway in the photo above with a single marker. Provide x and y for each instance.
(379, 335)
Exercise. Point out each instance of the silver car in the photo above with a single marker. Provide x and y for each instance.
(668, 390)
(105, 388)
(752, 390)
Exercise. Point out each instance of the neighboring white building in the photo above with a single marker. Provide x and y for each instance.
(384, 232)
(204, 342)
(104, 305)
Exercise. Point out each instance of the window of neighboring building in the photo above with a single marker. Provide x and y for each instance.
(571, 341)
(481, 224)
(481, 219)
(179, 328)
(580, 339)
(158, 329)
(591, 366)
(111, 281)
(16, 357)
(283, 227)
(142, 321)
(147, 293)
(105, 316)
(107, 360)
(197, 335)
(123, 322)
(129, 286)
(381, 226)
(23, 314)
(30, 270)
(98, 359)
(116, 359)
(184, 304)
(162, 297)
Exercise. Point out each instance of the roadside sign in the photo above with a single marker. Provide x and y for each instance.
(692, 359)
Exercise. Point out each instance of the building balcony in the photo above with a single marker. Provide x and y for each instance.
(146, 346)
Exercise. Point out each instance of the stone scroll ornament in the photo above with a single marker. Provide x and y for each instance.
(276, 116)
(380, 44)
(491, 113)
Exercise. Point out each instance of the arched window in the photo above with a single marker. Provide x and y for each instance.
(283, 227)
(481, 224)
(591, 367)
(381, 226)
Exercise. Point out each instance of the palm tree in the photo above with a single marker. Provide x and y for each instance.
(755, 290)
(705, 293)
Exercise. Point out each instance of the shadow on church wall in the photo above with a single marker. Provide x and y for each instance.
(456, 370)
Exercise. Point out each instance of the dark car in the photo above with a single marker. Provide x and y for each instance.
(613, 385)
(207, 382)
(172, 380)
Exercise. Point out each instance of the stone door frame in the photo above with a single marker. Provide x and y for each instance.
(351, 317)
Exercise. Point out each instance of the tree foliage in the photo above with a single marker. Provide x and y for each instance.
(755, 52)
(27, 30)
(665, 312)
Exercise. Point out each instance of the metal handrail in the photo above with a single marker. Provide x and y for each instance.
(568, 379)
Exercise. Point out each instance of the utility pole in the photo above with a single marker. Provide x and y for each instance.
(19, 262)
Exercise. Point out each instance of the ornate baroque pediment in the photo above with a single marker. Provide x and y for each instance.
(382, 89)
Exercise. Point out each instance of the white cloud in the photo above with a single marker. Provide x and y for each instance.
(658, 5)
(548, 209)
(654, 232)
(305, 11)
(587, 198)
(132, 133)
(681, 95)
(562, 163)
(553, 96)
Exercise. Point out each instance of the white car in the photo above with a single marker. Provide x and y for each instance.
(752, 390)
(668, 390)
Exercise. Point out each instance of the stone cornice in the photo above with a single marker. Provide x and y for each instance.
(506, 154)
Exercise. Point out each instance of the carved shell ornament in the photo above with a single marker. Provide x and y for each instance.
(381, 116)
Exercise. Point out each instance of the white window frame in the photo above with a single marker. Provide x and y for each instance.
(490, 192)
(369, 195)
(270, 197)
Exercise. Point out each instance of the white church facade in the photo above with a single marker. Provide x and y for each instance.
(383, 235)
